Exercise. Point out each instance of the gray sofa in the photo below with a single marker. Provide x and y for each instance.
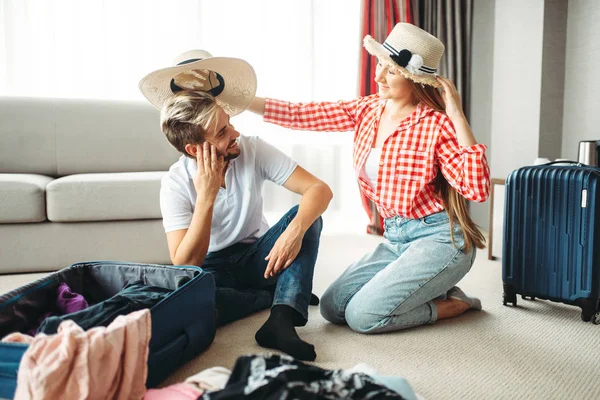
(79, 181)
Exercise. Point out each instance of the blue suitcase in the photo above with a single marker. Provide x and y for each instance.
(183, 323)
(551, 246)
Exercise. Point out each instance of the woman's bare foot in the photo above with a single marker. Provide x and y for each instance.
(450, 308)
(456, 303)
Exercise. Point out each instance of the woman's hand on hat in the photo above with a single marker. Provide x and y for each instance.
(451, 98)
(209, 176)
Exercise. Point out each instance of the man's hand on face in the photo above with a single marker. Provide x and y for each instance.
(284, 251)
(210, 171)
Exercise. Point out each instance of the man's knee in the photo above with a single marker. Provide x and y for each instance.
(292, 212)
(314, 232)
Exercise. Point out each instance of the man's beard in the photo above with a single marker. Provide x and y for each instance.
(233, 154)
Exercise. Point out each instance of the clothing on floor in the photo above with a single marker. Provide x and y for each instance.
(210, 379)
(396, 383)
(178, 391)
(282, 377)
(135, 296)
(101, 363)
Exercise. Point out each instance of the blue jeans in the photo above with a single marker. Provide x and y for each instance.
(239, 274)
(393, 287)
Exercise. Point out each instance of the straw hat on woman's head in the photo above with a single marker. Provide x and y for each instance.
(410, 50)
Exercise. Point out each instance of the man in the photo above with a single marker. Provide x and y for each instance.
(212, 204)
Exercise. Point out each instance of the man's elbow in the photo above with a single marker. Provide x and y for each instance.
(179, 261)
(326, 191)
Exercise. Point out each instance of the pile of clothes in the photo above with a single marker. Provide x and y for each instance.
(100, 363)
(100, 351)
(281, 377)
(77, 350)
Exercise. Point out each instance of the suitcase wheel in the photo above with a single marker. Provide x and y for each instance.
(509, 299)
(588, 315)
(589, 310)
(525, 297)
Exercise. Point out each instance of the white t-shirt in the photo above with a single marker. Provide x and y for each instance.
(238, 210)
(370, 170)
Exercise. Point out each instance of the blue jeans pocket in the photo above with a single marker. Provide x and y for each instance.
(436, 219)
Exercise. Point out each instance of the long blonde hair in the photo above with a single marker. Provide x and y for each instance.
(454, 203)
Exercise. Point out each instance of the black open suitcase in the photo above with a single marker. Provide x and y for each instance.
(183, 323)
(551, 246)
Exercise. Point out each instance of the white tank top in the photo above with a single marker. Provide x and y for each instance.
(371, 168)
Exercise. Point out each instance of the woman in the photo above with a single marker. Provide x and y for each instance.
(416, 158)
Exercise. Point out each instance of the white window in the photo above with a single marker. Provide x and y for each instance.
(302, 50)
(100, 49)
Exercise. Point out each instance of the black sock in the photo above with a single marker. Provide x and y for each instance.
(278, 332)
(314, 300)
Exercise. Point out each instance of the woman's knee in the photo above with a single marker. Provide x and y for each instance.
(363, 320)
(331, 309)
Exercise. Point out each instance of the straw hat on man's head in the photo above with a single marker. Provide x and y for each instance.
(410, 50)
(231, 81)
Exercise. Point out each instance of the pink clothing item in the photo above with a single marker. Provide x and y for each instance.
(178, 391)
(101, 363)
(17, 337)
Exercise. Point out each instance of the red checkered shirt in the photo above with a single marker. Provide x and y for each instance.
(423, 143)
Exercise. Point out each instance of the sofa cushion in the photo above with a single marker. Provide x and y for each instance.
(104, 197)
(22, 198)
(60, 137)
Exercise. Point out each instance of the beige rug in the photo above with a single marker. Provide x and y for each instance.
(539, 350)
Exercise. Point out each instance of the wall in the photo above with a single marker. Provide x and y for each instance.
(553, 78)
(582, 84)
(481, 88)
(533, 87)
(516, 88)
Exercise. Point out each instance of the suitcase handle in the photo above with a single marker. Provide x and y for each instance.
(570, 163)
(574, 163)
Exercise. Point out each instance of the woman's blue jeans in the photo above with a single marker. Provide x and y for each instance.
(239, 274)
(393, 287)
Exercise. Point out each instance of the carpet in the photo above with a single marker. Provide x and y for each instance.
(537, 350)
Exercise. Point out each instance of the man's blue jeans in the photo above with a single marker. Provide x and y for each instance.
(239, 274)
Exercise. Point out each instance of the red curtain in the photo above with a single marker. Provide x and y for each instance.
(378, 19)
